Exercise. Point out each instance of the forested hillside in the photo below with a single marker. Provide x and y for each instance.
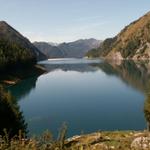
(16, 50)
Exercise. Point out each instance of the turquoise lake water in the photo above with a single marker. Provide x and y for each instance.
(88, 95)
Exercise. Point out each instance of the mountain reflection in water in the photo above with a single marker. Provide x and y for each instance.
(135, 75)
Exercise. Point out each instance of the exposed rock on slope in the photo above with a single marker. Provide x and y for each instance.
(133, 42)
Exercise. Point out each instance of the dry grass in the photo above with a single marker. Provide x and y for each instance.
(118, 140)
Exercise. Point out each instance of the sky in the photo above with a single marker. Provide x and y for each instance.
(68, 20)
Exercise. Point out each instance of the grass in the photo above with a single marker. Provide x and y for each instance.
(116, 140)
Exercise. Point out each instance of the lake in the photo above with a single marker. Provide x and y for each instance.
(88, 95)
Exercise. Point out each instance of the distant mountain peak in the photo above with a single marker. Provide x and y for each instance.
(148, 13)
(3, 23)
(5, 26)
(76, 49)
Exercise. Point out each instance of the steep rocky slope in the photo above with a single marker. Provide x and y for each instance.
(133, 42)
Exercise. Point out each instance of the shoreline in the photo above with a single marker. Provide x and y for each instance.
(107, 140)
(13, 79)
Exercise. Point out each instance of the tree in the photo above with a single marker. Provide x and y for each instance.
(10, 116)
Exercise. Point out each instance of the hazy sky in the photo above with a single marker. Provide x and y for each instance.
(68, 20)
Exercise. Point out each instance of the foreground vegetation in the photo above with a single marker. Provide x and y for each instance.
(13, 131)
(117, 140)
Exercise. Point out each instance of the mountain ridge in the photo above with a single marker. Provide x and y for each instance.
(76, 48)
(133, 42)
(14, 38)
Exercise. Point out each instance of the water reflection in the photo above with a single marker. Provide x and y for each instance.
(70, 67)
(23, 88)
(70, 64)
(133, 74)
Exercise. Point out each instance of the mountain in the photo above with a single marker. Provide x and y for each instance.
(133, 42)
(15, 48)
(72, 49)
(49, 50)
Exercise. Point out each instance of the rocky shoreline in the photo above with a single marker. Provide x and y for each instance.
(117, 140)
(102, 140)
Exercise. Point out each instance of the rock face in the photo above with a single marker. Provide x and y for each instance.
(133, 42)
(141, 143)
(15, 42)
(116, 140)
(75, 49)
